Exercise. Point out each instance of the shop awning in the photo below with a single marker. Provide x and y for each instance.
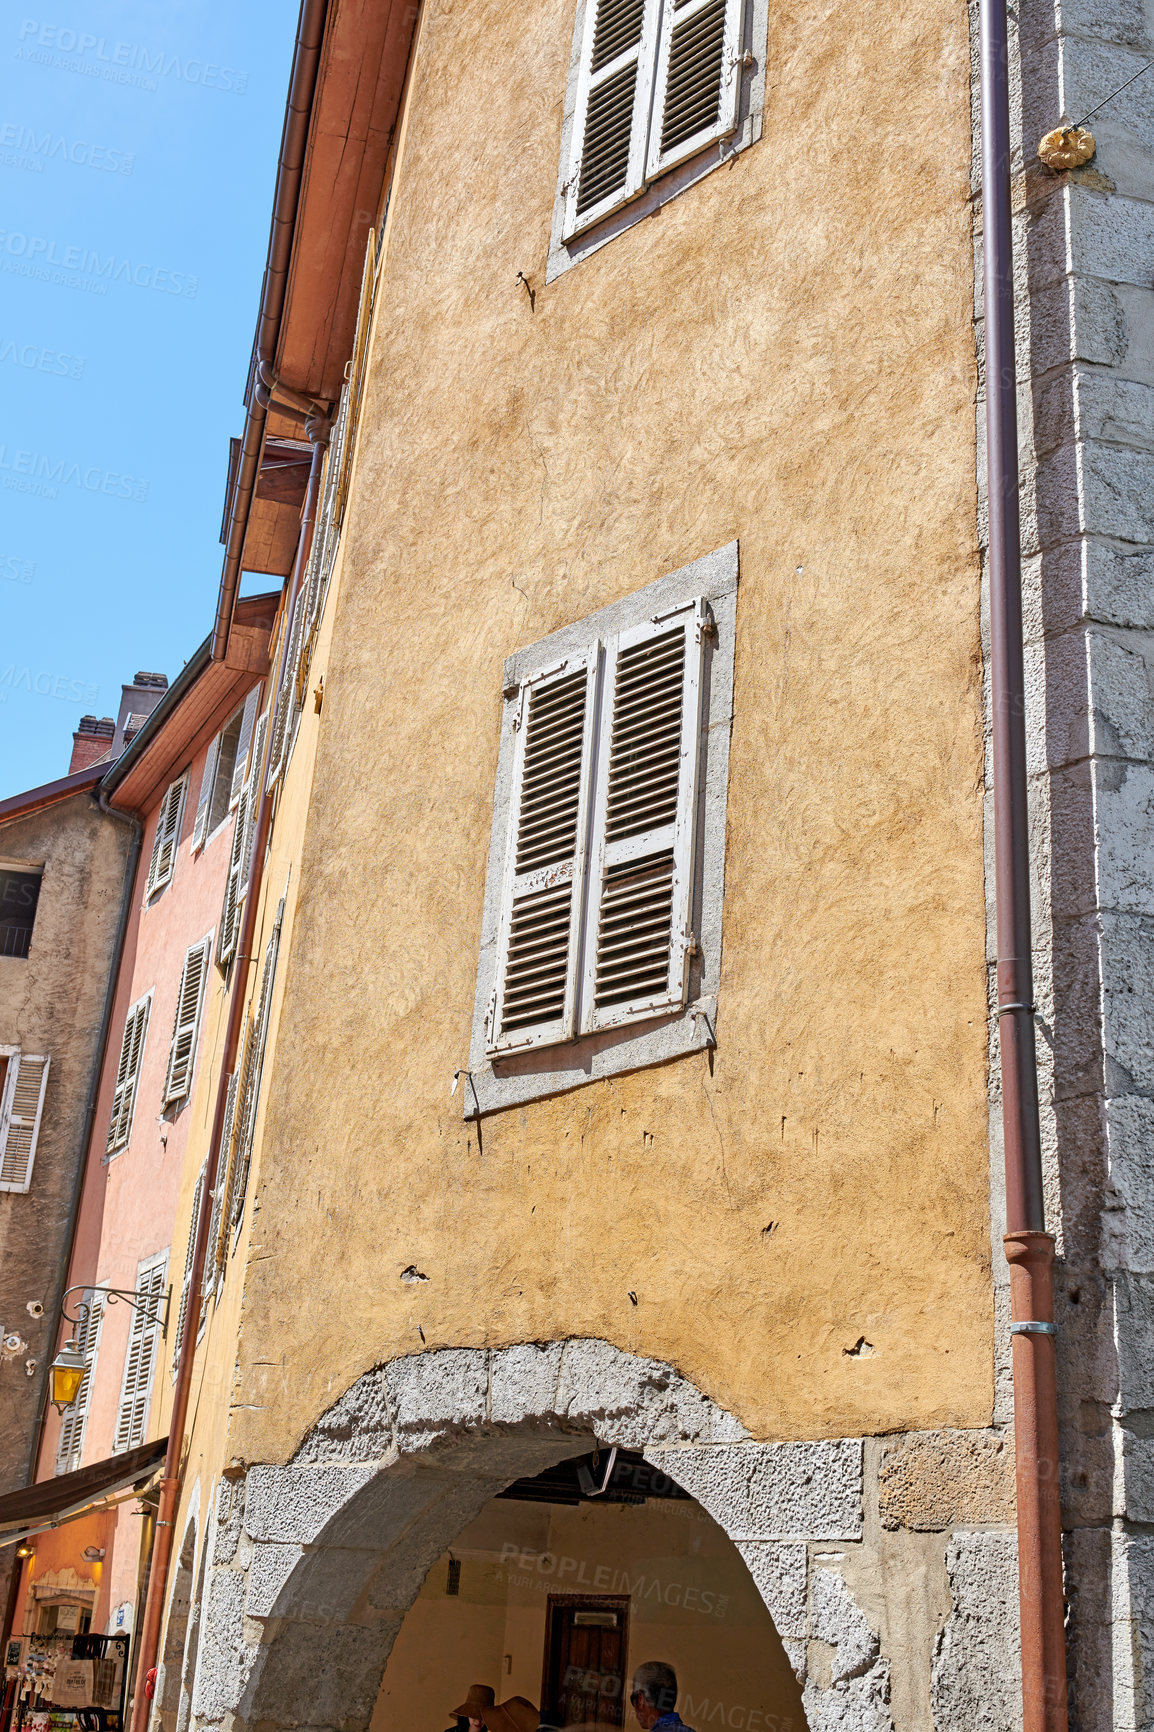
(51, 1500)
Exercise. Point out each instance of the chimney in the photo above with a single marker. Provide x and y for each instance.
(137, 703)
(91, 742)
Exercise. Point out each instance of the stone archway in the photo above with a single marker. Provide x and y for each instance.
(314, 1570)
(173, 1699)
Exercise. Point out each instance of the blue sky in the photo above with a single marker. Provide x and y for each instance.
(138, 146)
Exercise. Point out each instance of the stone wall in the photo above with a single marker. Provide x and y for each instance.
(1085, 279)
(888, 1565)
(52, 1002)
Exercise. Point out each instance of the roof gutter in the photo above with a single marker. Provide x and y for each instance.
(286, 201)
(1029, 1247)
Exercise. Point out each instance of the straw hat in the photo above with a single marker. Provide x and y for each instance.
(515, 1715)
(476, 1706)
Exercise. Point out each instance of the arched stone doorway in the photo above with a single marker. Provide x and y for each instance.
(316, 1565)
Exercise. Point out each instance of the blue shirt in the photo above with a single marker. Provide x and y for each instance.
(671, 1722)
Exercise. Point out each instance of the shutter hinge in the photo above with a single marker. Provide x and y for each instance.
(692, 946)
(706, 624)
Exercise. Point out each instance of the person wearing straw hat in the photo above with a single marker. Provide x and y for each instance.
(517, 1714)
(477, 1706)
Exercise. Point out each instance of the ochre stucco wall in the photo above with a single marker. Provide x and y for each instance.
(784, 354)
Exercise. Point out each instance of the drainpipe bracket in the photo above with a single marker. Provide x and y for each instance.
(1032, 1328)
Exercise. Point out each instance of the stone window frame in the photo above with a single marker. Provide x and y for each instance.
(509, 1080)
(563, 255)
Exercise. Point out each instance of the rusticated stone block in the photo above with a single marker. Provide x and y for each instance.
(932, 1480)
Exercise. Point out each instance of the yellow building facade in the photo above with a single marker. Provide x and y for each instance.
(745, 1238)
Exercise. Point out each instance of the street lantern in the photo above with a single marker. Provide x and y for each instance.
(67, 1372)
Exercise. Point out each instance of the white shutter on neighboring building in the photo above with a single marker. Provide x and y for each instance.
(182, 1056)
(70, 1444)
(641, 867)
(140, 1359)
(204, 801)
(214, 1259)
(167, 836)
(20, 1114)
(186, 1281)
(284, 713)
(240, 767)
(535, 999)
(698, 79)
(236, 887)
(611, 120)
(128, 1073)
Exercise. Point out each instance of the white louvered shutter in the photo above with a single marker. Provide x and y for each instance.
(240, 767)
(186, 1281)
(128, 1073)
(204, 800)
(214, 1260)
(698, 80)
(610, 123)
(284, 712)
(20, 1121)
(140, 1360)
(230, 910)
(641, 867)
(249, 1096)
(70, 1444)
(167, 836)
(182, 1055)
(535, 999)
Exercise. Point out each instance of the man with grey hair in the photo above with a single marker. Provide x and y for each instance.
(654, 1697)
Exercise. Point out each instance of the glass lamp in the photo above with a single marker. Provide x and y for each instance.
(68, 1370)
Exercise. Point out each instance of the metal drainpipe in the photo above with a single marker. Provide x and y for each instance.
(290, 168)
(1029, 1248)
(170, 1480)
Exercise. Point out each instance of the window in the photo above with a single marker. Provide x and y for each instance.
(660, 92)
(128, 1073)
(236, 887)
(602, 938)
(186, 1027)
(167, 837)
(224, 770)
(23, 1081)
(140, 1359)
(19, 894)
(186, 1282)
(247, 1098)
(70, 1444)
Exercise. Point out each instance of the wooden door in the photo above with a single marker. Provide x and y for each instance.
(586, 1652)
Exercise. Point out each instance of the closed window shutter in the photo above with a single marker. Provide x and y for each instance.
(249, 1096)
(537, 954)
(140, 1360)
(640, 877)
(204, 801)
(236, 887)
(698, 79)
(610, 123)
(284, 713)
(230, 911)
(214, 1260)
(182, 1055)
(186, 1281)
(20, 1121)
(70, 1444)
(128, 1073)
(167, 837)
(240, 768)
